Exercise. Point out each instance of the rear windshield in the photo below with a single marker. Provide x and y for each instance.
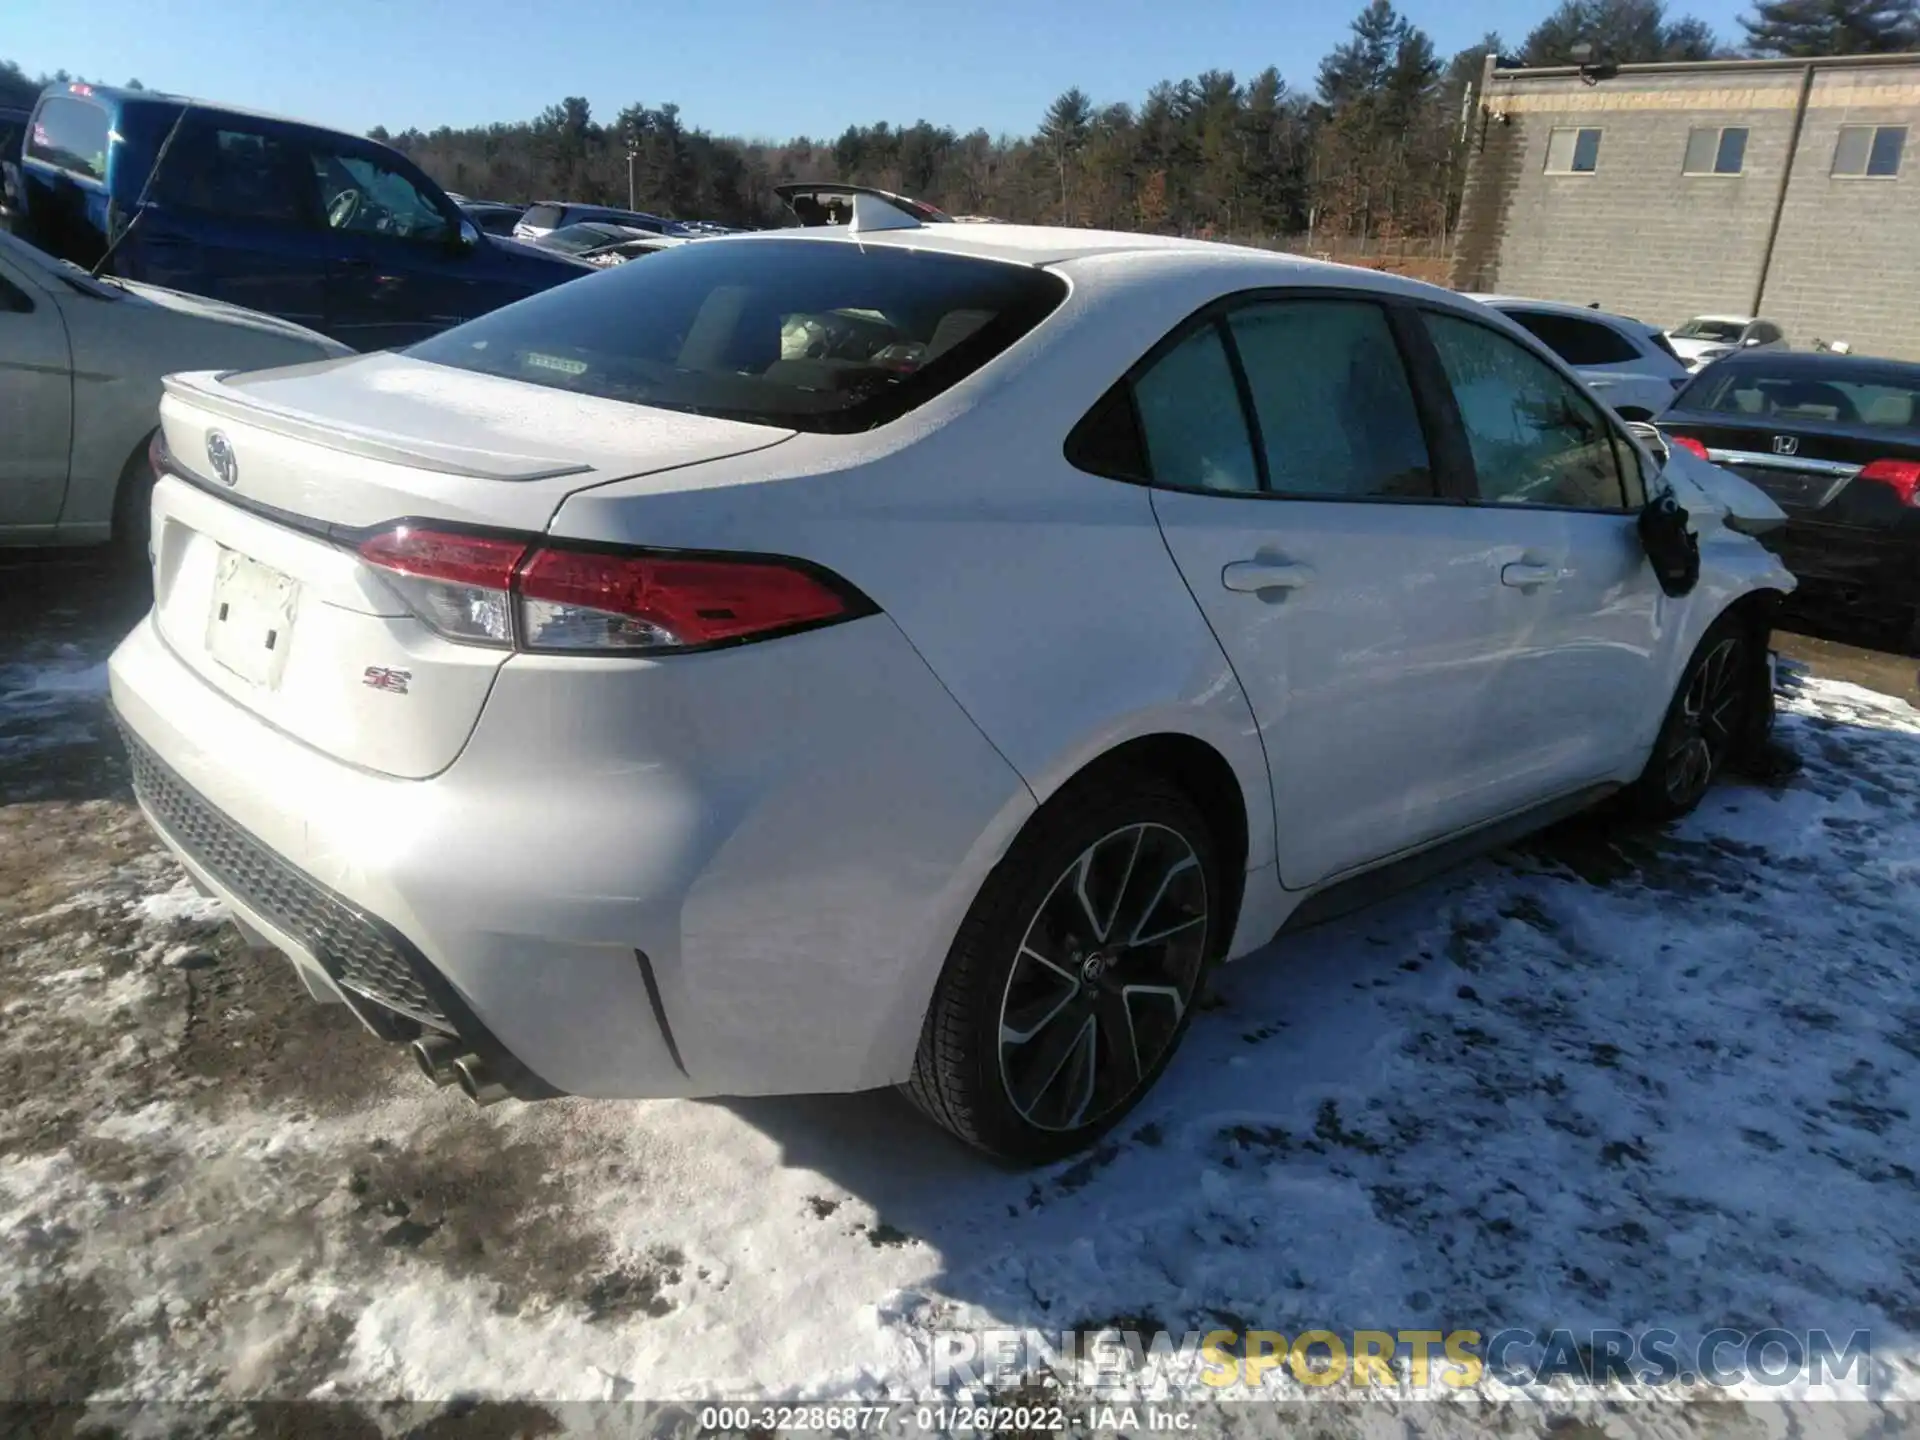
(1880, 400)
(1725, 332)
(823, 335)
(70, 134)
(543, 217)
(572, 239)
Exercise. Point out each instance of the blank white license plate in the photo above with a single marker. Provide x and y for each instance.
(250, 622)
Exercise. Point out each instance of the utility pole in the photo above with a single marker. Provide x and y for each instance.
(630, 197)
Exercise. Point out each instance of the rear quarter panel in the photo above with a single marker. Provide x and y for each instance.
(121, 350)
(1043, 598)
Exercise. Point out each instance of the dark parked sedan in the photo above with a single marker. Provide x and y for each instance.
(1835, 440)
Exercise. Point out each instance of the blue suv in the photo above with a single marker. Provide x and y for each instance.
(340, 234)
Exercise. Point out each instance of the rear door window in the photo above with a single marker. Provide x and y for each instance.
(1576, 341)
(244, 174)
(1331, 397)
(70, 134)
(812, 334)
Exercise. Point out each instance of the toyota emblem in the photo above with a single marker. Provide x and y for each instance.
(220, 456)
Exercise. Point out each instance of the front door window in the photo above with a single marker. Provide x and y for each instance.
(362, 197)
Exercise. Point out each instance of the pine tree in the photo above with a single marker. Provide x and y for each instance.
(1806, 28)
(1064, 131)
(1627, 32)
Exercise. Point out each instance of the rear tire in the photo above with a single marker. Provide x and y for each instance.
(1073, 978)
(1708, 725)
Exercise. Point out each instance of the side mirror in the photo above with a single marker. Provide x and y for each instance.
(1672, 548)
(468, 235)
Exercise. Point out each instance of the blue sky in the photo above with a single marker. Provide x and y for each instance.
(770, 68)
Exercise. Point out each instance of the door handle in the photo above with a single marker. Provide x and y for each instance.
(1528, 577)
(354, 262)
(1250, 577)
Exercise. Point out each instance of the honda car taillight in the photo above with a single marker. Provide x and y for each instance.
(1901, 476)
(461, 585)
(1689, 444)
(512, 592)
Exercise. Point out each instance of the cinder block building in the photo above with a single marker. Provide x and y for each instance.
(1786, 189)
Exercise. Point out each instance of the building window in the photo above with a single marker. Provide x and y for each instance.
(1573, 152)
(1716, 151)
(1869, 151)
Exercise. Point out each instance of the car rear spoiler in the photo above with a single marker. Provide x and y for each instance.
(208, 390)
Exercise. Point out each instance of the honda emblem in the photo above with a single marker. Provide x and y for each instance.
(1786, 445)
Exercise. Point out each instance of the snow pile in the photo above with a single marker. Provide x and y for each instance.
(1641, 1079)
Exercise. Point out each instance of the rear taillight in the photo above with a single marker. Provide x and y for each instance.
(589, 600)
(1900, 476)
(510, 592)
(1689, 444)
(459, 584)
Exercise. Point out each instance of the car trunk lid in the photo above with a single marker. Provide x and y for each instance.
(1803, 468)
(277, 476)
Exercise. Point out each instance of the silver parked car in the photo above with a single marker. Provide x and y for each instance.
(80, 367)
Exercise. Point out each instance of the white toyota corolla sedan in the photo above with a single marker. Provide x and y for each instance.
(897, 654)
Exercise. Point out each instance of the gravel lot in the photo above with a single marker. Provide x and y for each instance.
(1609, 1078)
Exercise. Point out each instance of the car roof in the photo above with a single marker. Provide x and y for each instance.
(1722, 319)
(1211, 264)
(1024, 244)
(597, 208)
(1559, 307)
(118, 95)
(1817, 364)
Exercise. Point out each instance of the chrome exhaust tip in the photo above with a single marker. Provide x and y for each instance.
(435, 1055)
(476, 1083)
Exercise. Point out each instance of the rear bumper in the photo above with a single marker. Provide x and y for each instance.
(628, 884)
(342, 953)
(1854, 565)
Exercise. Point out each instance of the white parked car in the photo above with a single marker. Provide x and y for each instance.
(607, 700)
(1705, 338)
(1626, 363)
(80, 368)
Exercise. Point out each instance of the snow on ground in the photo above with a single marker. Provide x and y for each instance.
(1608, 1079)
(42, 703)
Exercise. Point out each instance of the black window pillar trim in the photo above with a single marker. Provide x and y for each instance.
(1448, 450)
(1249, 412)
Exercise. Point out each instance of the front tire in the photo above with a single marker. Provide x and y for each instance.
(1073, 978)
(1706, 727)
